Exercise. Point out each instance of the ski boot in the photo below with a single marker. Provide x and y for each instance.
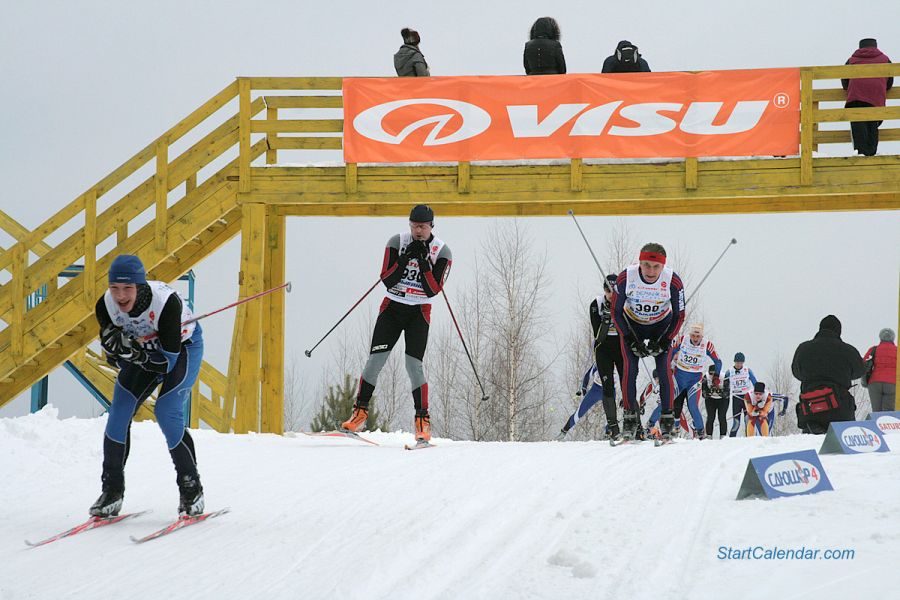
(630, 423)
(666, 426)
(561, 436)
(615, 436)
(699, 434)
(191, 496)
(423, 427)
(640, 433)
(357, 420)
(109, 503)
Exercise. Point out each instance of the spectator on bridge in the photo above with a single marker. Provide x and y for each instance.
(881, 372)
(868, 91)
(543, 53)
(626, 59)
(409, 60)
(826, 366)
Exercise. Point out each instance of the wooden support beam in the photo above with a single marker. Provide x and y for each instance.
(304, 101)
(691, 175)
(19, 263)
(576, 180)
(271, 153)
(121, 234)
(463, 177)
(253, 248)
(273, 325)
(190, 184)
(350, 178)
(90, 248)
(244, 134)
(806, 127)
(161, 188)
(234, 366)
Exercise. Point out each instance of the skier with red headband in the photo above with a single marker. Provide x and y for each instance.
(648, 310)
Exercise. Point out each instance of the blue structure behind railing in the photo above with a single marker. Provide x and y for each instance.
(40, 390)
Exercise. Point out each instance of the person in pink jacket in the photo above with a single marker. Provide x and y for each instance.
(867, 91)
(883, 377)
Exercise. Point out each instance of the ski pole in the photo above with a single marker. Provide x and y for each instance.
(309, 352)
(484, 396)
(730, 244)
(285, 286)
(597, 262)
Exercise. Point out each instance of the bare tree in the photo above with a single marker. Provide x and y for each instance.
(782, 381)
(516, 325)
(298, 405)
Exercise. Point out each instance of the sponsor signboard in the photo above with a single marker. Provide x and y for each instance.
(887, 421)
(853, 437)
(624, 115)
(780, 475)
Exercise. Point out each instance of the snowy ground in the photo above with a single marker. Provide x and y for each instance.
(323, 518)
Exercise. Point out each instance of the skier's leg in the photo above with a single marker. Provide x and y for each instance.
(605, 359)
(722, 408)
(711, 407)
(416, 337)
(693, 404)
(737, 408)
(387, 331)
(666, 391)
(629, 375)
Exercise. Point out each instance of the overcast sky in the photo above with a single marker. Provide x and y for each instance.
(86, 84)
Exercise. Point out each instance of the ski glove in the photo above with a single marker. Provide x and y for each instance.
(114, 340)
(638, 348)
(657, 347)
(417, 249)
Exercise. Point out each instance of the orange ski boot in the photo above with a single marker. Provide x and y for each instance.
(357, 420)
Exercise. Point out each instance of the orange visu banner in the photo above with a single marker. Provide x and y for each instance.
(629, 115)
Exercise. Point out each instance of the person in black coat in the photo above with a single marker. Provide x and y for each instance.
(626, 59)
(826, 367)
(543, 53)
(408, 60)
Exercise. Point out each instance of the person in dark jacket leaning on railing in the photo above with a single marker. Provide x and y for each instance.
(409, 60)
(826, 367)
(868, 91)
(543, 53)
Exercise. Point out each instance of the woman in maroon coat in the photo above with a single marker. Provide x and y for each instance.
(868, 91)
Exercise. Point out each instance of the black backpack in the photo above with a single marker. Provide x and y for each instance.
(870, 366)
(628, 55)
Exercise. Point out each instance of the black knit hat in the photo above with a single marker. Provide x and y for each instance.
(422, 213)
(868, 43)
(831, 323)
(759, 386)
(410, 36)
(610, 283)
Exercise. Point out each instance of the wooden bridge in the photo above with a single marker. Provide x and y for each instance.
(220, 166)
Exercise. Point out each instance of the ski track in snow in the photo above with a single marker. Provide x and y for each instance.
(336, 518)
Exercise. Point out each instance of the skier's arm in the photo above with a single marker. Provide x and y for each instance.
(618, 306)
(726, 384)
(678, 306)
(752, 376)
(394, 263)
(433, 278)
(712, 354)
(600, 323)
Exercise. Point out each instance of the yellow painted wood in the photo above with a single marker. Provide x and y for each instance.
(296, 83)
(806, 127)
(204, 111)
(350, 178)
(17, 327)
(121, 234)
(190, 184)
(840, 94)
(234, 365)
(272, 152)
(90, 248)
(244, 134)
(304, 101)
(298, 126)
(691, 176)
(47, 227)
(854, 71)
(577, 182)
(306, 143)
(253, 248)
(832, 115)
(21, 234)
(272, 412)
(161, 187)
(463, 177)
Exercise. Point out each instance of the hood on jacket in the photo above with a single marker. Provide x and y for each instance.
(868, 54)
(545, 27)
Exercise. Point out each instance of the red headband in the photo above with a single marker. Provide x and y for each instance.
(653, 257)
